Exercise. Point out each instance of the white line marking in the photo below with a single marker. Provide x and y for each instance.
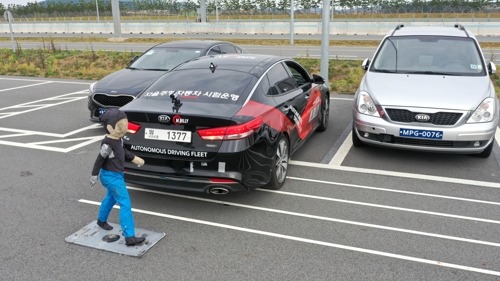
(305, 240)
(33, 102)
(26, 86)
(31, 132)
(98, 138)
(381, 206)
(339, 157)
(64, 140)
(319, 217)
(44, 106)
(341, 99)
(51, 81)
(91, 127)
(15, 135)
(396, 191)
(397, 174)
(40, 147)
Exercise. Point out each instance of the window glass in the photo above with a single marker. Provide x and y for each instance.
(429, 54)
(299, 75)
(201, 86)
(227, 49)
(214, 51)
(276, 74)
(165, 58)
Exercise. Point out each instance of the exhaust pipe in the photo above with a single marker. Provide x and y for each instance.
(218, 190)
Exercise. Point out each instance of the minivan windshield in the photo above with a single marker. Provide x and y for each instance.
(165, 58)
(439, 55)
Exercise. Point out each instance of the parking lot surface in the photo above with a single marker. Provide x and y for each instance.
(344, 213)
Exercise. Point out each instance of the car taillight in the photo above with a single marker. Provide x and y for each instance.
(231, 132)
(133, 128)
(215, 180)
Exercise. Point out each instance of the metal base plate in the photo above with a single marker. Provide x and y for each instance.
(95, 237)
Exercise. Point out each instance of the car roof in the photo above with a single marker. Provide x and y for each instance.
(192, 43)
(254, 64)
(454, 31)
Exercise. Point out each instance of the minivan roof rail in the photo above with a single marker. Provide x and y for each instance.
(398, 27)
(461, 27)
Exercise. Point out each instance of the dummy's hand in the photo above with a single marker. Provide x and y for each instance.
(138, 161)
(93, 181)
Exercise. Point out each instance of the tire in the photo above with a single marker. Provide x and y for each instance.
(279, 164)
(325, 114)
(356, 142)
(487, 151)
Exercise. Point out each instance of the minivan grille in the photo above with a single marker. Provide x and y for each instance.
(438, 118)
(108, 100)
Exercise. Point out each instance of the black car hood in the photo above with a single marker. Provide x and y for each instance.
(127, 81)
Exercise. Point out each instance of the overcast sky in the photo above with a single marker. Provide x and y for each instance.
(20, 2)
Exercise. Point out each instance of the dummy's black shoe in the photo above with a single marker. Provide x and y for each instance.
(104, 225)
(131, 241)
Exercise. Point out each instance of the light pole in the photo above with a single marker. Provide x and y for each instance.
(97, 8)
(216, 12)
(291, 22)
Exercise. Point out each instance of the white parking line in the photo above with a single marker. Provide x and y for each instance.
(342, 152)
(381, 206)
(50, 81)
(42, 104)
(341, 99)
(26, 86)
(305, 240)
(396, 191)
(428, 234)
(396, 174)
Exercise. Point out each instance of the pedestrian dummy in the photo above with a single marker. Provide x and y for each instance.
(110, 166)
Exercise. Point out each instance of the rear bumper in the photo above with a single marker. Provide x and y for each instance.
(179, 182)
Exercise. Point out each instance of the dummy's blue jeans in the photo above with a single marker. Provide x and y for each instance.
(117, 192)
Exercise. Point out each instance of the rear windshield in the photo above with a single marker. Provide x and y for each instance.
(165, 58)
(200, 85)
(429, 55)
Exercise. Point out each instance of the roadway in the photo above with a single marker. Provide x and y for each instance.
(344, 213)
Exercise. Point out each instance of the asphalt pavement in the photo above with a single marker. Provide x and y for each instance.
(344, 213)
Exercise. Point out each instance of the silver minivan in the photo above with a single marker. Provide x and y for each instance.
(428, 89)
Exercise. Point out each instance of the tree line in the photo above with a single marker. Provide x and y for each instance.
(235, 7)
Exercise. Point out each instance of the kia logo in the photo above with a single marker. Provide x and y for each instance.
(164, 118)
(422, 117)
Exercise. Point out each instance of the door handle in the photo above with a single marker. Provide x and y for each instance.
(307, 96)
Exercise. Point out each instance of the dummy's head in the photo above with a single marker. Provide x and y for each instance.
(115, 122)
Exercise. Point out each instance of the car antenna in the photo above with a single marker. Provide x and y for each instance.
(212, 67)
(175, 100)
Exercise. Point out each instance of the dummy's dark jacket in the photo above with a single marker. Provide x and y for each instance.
(111, 156)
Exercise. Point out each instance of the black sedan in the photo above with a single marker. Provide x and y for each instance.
(224, 123)
(121, 87)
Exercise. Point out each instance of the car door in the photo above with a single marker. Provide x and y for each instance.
(290, 100)
(310, 115)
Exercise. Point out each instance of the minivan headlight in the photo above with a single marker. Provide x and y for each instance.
(484, 112)
(366, 104)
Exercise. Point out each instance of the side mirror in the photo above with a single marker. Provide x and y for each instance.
(318, 79)
(133, 59)
(492, 69)
(365, 64)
